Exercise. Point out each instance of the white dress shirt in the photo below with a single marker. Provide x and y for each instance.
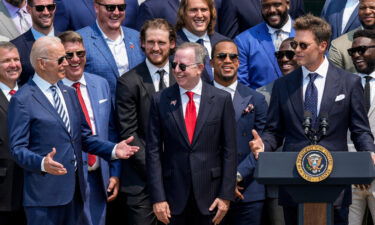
(13, 13)
(319, 81)
(5, 89)
(285, 32)
(231, 88)
(194, 38)
(197, 90)
(156, 76)
(348, 11)
(372, 84)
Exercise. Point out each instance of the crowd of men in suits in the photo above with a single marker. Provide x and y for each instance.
(146, 112)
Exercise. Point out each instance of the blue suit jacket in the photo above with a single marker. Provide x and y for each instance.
(333, 11)
(76, 14)
(255, 119)
(99, 57)
(258, 64)
(35, 128)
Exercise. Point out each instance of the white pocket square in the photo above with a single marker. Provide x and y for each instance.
(102, 100)
(339, 97)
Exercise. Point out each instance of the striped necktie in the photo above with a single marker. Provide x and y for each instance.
(59, 107)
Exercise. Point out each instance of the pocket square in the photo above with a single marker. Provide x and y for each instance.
(339, 97)
(102, 100)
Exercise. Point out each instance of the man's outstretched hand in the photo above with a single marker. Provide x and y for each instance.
(51, 166)
(124, 151)
(256, 145)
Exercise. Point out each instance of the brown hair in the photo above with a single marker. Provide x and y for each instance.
(318, 26)
(157, 23)
(70, 36)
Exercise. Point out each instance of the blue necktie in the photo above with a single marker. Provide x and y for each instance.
(59, 107)
(207, 61)
(311, 98)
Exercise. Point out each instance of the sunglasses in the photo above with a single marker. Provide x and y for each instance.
(40, 8)
(182, 66)
(79, 54)
(223, 56)
(59, 60)
(288, 54)
(302, 45)
(360, 49)
(111, 8)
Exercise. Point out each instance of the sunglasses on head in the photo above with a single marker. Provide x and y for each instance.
(59, 60)
(223, 56)
(40, 8)
(360, 49)
(111, 8)
(182, 66)
(288, 54)
(79, 54)
(302, 45)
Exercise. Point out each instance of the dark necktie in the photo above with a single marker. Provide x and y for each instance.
(161, 81)
(367, 93)
(77, 86)
(12, 92)
(311, 98)
(190, 116)
(59, 107)
(207, 65)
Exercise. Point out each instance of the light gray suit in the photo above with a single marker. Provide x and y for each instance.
(7, 27)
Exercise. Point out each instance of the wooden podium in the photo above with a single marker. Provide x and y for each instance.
(315, 200)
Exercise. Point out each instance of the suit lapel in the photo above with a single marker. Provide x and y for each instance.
(7, 22)
(89, 4)
(239, 102)
(294, 86)
(338, 16)
(3, 101)
(130, 50)
(331, 89)
(146, 79)
(94, 99)
(352, 18)
(174, 4)
(69, 106)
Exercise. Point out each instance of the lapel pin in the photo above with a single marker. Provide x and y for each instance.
(64, 91)
(174, 102)
(131, 45)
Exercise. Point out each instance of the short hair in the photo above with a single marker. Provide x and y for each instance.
(181, 13)
(318, 26)
(70, 36)
(364, 33)
(42, 47)
(157, 23)
(7, 45)
(199, 51)
(221, 41)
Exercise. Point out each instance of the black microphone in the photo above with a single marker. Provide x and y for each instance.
(307, 121)
(324, 124)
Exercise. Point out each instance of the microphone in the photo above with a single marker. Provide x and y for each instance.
(307, 121)
(324, 124)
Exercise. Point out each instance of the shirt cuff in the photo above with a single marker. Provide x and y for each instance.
(239, 177)
(42, 165)
(113, 155)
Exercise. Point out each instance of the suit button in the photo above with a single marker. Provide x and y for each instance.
(72, 161)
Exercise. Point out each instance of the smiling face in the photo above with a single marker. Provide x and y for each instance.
(10, 66)
(42, 21)
(286, 65)
(109, 21)
(275, 12)
(366, 14)
(76, 65)
(48, 66)
(197, 17)
(157, 46)
(225, 70)
(364, 63)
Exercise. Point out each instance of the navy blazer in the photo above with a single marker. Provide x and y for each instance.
(35, 128)
(207, 166)
(237, 16)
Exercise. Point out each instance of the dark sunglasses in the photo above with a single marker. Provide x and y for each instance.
(302, 45)
(360, 49)
(288, 54)
(59, 60)
(79, 54)
(182, 66)
(223, 56)
(111, 8)
(40, 8)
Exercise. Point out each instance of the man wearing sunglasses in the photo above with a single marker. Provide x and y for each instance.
(257, 45)
(14, 18)
(338, 51)
(251, 112)
(42, 14)
(191, 146)
(323, 90)
(111, 49)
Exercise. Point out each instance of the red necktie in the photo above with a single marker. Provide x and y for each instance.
(12, 92)
(190, 116)
(77, 86)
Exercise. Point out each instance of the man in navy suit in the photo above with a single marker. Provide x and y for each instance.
(250, 113)
(111, 49)
(42, 26)
(325, 91)
(191, 146)
(95, 100)
(47, 131)
(257, 45)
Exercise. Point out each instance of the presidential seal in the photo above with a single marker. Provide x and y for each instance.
(314, 163)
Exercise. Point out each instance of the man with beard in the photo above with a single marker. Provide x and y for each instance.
(14, 18)
(250, 113)
(338, 53)
(42, 13)
(363, 56)
(257, 45)
(133, 96)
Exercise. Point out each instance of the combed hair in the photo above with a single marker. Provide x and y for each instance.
(70, 36)
(221, 41)
(364, 33)
(7, 45)
(199, 51)
(318, 26)
(39, 48)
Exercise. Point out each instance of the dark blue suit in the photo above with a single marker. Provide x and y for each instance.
(237, 16)
(258, 64)
(35, 128)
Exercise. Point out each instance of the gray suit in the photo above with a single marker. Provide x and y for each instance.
(7, 27)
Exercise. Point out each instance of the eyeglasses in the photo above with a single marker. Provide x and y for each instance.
(182, 66)
(59, 60)
(40, 8)
(79, 54)
(360, 49)
(111, 8)
(223, 56)
(288, 54)
(302, 45)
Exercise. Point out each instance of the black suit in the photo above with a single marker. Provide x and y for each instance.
(133, 96)
(11, 175)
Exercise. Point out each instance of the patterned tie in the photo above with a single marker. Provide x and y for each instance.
(311, 98)
(190, 116)
(77, 86)
(161, 81)
(278, 39)
(12, 92)
(367, 93)
(207, 65)
(24, 24)
(59, 107)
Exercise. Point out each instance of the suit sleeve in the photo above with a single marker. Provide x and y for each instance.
(335, 56)
(61, 21)
(243, 45)
(144, 13)
(228, 21)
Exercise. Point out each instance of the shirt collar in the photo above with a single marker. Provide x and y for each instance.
(196, 90)
(69, 83)
(41, 83)
(287, 28)
(153, 69)
(321, 71)
(231, 87)
(194, 38)
(371, 74)
(13, 9)
(6, 89)
(38, 35)
(106, 38)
